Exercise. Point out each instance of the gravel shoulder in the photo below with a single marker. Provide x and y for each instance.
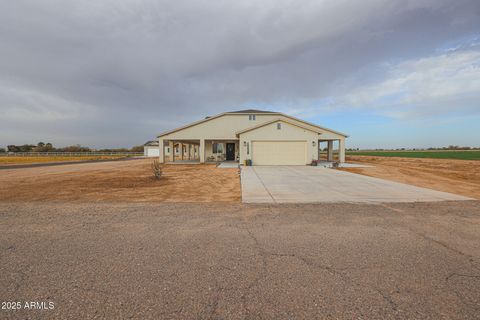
(236, 261)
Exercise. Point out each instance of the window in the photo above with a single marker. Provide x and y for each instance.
(168, 149)
(217, 147)
(251, 117)
(279, 126)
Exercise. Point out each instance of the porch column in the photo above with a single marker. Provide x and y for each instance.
(161, 151)
(341, 150)
(171, 146)
(188, 151)
(318, 150)
(201, 150)
(330, 150)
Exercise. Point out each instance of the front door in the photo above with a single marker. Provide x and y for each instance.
(230, 151)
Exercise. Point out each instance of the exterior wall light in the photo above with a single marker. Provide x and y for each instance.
(244, 143)
(313, 143)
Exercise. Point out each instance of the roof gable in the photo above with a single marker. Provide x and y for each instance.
(250, 111)
(275, 121)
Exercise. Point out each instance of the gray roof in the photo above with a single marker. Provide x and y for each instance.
(151, 143)
(251, 111)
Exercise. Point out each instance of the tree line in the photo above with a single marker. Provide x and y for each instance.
(48, 147)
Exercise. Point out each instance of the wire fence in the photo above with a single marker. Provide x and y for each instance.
(70, 154)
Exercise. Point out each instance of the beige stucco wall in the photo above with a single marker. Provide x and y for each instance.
(226, 126)
(288, 132)
(223, 127)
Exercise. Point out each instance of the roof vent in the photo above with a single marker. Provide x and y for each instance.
(207, 117)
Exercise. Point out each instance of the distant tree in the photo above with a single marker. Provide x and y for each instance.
(137, 149)
(23, 148)
(75, 148)
(49, 147)
(12, 148)
(2, 150)
(115, 150)
(43, 147)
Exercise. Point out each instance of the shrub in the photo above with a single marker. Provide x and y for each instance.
(156, 169)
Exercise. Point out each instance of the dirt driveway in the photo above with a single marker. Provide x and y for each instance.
(120, 181)
(234, 261)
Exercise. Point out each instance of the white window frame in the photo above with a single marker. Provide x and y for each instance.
(215, 148)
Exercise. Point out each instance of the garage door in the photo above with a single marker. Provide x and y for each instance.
(153, 152)
(278, 153)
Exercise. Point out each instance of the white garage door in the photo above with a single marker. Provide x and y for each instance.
(278, 153)
(153, 152)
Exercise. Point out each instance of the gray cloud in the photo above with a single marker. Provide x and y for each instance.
(110, 73)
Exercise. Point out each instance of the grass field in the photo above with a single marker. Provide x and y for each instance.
(24, 160)
(460, 155)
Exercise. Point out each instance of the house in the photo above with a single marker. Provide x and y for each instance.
(265, 137)
(150, 149)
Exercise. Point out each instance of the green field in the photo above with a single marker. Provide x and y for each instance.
(441, 154)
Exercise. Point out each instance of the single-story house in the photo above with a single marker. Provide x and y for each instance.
(264, 137)
(151, 149)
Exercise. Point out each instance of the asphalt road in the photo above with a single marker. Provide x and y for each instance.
(234, 261)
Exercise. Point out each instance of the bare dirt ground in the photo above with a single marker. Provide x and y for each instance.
(120, 181)
(11, 161)
(455, 176)
(235, 261)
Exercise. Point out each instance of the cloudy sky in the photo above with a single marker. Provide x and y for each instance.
(115, 73)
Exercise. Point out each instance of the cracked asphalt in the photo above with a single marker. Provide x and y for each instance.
(237, 261)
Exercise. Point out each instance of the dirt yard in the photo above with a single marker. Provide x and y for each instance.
(7, 161)
(120, 181)
(455, 176)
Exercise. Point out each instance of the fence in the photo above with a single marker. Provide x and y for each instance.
(69, 154)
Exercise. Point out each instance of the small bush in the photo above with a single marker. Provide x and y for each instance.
(156, 169)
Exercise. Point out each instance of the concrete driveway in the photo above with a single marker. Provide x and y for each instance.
(305, 184)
